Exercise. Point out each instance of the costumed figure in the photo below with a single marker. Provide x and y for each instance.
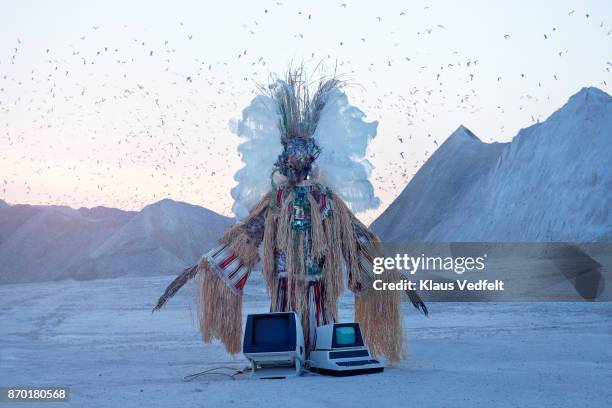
(305, 175)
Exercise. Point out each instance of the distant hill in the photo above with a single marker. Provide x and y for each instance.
(41, 243)
(553, 182)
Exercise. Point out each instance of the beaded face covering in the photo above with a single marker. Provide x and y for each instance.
(296, 160)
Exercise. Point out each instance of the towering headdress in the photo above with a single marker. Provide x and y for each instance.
(292, 124)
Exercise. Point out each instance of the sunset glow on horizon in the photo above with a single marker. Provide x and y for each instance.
(123, 104)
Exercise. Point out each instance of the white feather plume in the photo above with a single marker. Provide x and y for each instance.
(259, 126)
(343, 136)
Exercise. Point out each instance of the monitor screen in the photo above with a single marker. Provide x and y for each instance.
(345, 336)
(270, 330)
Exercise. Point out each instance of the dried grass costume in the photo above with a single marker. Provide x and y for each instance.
(312, 245)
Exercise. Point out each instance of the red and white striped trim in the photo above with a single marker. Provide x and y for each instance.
(228, 267)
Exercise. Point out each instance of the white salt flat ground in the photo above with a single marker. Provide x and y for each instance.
(100, 339)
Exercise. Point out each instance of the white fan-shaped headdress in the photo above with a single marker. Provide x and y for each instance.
(340, 134)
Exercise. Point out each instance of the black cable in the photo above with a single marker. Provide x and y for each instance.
(211, 371)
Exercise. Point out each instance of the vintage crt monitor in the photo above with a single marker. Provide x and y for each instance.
(339, 350)
(274, 344)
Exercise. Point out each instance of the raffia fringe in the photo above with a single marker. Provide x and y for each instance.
(344, 217)
(245, 249)
(298, 265)
(274, 295)
(298, 301)
(319, 241)
(261, 206)
(219, 310)
(373, 239)
(269, 247)
(379, 314)
(295, 268)
(231, 233)
(332, 268)
(285, 217)
(305, 315)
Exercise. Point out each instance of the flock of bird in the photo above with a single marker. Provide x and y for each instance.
(101, 130)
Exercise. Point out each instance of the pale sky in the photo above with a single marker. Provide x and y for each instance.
(125, 103)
